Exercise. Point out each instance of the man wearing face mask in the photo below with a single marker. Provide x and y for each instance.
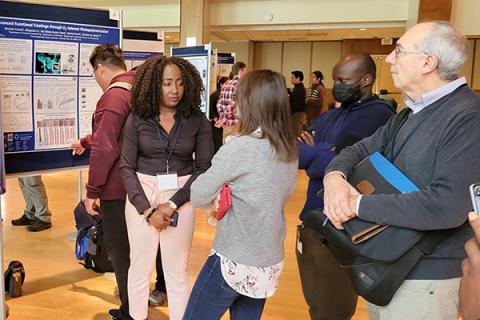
(325, 285)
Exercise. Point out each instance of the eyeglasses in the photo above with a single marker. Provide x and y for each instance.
(94, 69)
(398, 50)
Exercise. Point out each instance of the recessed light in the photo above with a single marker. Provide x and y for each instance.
(363, 29)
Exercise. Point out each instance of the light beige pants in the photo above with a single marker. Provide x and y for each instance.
(175, 244)
(420, 300)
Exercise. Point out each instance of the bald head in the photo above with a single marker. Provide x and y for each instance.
(441, 39)
(361, 62)
(356, 68)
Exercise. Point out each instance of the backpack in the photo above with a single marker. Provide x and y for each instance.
(14, 277)
(90, 247)
(82, 218)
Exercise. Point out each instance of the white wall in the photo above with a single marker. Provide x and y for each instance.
(307, 11)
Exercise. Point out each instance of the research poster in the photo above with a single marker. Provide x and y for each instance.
(200, 57)
(47, 90)
(202, 64)
(225, 64)
(137, 51)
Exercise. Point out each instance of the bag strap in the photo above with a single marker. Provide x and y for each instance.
(431, 239)
(120, 84)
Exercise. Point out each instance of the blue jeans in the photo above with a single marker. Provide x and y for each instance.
(211, 297)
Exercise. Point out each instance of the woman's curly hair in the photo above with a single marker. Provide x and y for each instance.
(147, 88)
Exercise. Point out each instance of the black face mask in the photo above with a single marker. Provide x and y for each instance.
(344, 93)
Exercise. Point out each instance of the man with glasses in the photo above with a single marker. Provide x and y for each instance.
(325, 285)
(104, 182)
(436, 146)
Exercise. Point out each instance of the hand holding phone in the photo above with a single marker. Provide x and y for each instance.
(475, 196)
(174, 219)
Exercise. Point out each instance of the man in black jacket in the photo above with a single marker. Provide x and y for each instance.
(298, 97)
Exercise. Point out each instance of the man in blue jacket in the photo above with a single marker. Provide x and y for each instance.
(326, 287)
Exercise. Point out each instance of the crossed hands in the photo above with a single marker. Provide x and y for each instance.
(162, 217)
(307, 138)
(339, 199)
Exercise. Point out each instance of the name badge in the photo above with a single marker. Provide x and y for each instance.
(167, 181)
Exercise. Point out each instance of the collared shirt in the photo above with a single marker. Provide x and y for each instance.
(225, 101)
(424, 101)
(432, 96)
(145, 150)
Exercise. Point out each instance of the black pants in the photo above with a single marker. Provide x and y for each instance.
(116, 240)
(326, 287)
(217, 135)
(160, 283)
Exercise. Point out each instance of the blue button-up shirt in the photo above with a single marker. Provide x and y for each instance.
(432, 96)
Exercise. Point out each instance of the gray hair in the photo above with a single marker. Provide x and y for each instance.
(449, 46)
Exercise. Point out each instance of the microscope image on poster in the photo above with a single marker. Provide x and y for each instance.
(47, 63)
(69, 66)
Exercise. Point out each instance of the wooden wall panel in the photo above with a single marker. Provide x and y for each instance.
(325, 55)
(476, 66)
(241, 49)
(296, 56)
(371, 46)
(434, 10)
(467, 70)
(268, 55)
(384, 76)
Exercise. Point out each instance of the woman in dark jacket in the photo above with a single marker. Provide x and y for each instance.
(162, 134)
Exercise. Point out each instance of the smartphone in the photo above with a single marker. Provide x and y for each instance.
(475, 196)
(174, 219)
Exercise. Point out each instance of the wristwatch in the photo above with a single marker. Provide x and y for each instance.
(172, 205)
(149, 213)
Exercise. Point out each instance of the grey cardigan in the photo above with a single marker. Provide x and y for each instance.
(441, 158)
(254, 229)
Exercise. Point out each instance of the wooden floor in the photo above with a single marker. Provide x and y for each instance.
(57, 287)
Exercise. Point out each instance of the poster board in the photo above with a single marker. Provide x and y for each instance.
(48, 92)
(200, 57)
(138, 46)
(225, 63)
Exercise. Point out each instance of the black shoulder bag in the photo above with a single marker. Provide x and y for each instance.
(376, 258)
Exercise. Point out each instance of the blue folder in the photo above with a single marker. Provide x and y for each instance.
(386, 171)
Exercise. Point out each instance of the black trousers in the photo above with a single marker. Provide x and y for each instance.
(326, 287)
(217, 135)
(160, 283)
(116, 240)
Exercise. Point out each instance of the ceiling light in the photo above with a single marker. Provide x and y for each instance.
(363, 29)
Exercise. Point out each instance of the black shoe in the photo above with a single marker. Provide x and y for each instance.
(114, 314)
(39, 225)
(23, 221)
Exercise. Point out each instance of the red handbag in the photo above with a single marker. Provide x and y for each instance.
(224, 199)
